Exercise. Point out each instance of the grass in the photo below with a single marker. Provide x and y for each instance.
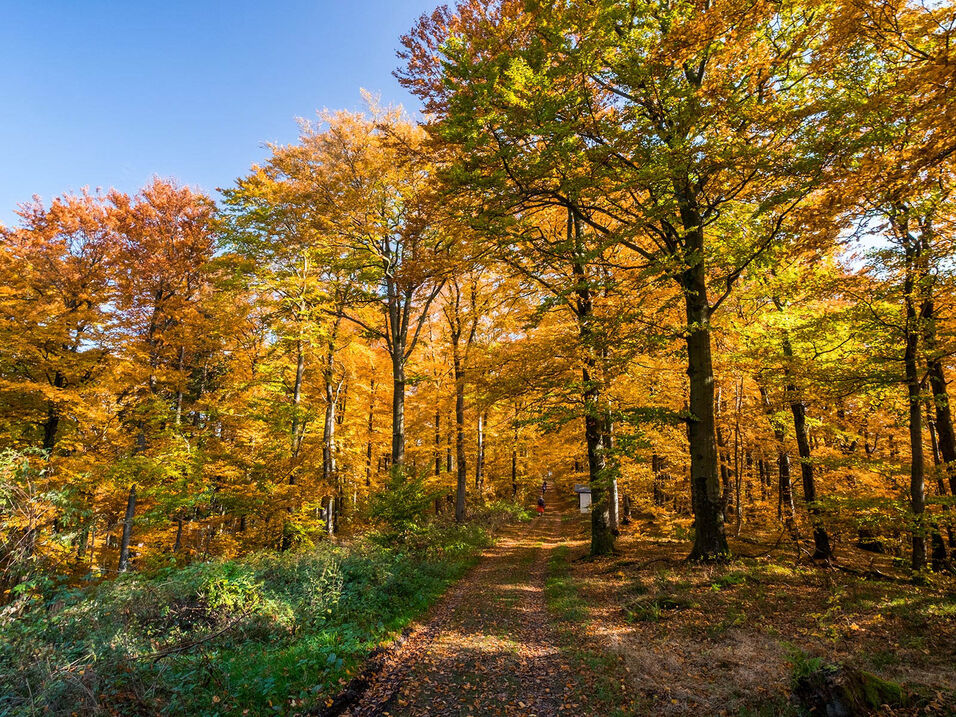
(268, 634)
(560, 591)
(602, 686)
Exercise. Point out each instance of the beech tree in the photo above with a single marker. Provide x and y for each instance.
(686, 151)
(378, 208)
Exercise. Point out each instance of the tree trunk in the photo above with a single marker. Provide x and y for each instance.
(398, 408)
(370, 428)
(657, 469)
(52, 422)
(710, 539)
(514, 461)
(297, 430)
(437, 440)
(127, 530)
(328, 439)
(602, 537)
(934, 365)
(613, 498)
(738, 398)
(821, 540)
(911, 368)
(786, 511)
(462, 486)
(449, 462)
(480, 456)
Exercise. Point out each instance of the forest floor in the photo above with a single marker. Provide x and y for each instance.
(537, 628)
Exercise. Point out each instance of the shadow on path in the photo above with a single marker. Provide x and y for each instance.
(488, 647)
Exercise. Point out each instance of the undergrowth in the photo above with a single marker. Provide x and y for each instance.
(267, 634)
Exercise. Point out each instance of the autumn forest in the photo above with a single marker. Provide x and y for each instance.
(692, 261)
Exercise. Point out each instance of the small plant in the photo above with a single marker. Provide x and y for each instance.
(731, 580)
(654, 609)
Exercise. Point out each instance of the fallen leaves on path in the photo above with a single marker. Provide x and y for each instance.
(488, 647)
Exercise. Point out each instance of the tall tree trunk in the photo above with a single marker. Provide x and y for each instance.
(480, 455)
(911, 368)
(934, 362)
(602, 536)
(52, 422)
(613, 498)
(710, 539)
(297, 430)
(329, 472)
(738, 398)
(514, 460)
(941, 430)
(723, 456)
(398, 408)
(785, 508)
(370, 428)
(822, 549)
(127, 530)
(462, 486)
(437, 440)
(449, 462)
(821, 540)
(938, 470)
(657, 469)
(179, 389)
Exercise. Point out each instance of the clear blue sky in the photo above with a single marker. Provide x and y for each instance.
(107, 94)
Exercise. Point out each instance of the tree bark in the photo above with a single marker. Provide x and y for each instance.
(613, 498)
(462, 486)
(127, 530)
(514, 459)
(786, 511)
(370, 429)
(821, 540)
(911, 369)
(480, 455)
(437, 439)
(602, 536)
(822, 550)
(398, 409)
(710, 539)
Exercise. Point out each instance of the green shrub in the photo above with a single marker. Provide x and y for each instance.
(403, 509)
(271, 632)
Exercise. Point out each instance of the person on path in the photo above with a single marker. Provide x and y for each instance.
(540, 505)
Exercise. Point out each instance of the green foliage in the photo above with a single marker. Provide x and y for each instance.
(499, 511)
(402, 508)
(803, 665)
(273, 632)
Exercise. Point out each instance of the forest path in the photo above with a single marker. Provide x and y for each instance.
(488, 647)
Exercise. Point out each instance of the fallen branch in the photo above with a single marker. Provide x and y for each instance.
(183, 647)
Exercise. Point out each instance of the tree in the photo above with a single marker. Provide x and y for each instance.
(680, 149)
(373, 195)
(58, 272)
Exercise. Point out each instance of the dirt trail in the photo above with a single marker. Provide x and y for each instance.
(488, 647)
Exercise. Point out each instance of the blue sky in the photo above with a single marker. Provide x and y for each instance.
(107, 94)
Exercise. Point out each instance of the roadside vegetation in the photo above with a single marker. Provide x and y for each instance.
(269, 632)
